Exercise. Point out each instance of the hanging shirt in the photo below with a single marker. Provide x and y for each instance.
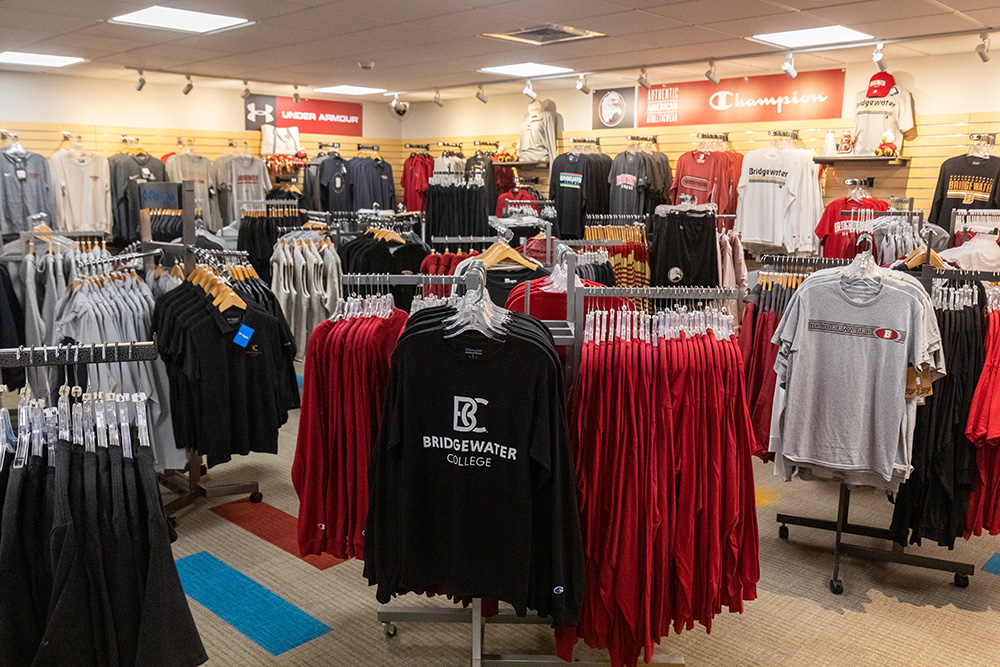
(965, 182)
(877, 116)
(538, 137)
(833, 227)
(127, 171)
(628, 181)
(250, 181)
(82, 186)
(25, 190)
(566, 190)
(198, 168)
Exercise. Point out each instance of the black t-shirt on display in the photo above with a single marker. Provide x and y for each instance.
(567, 192)
(499, 283)
(965, 182)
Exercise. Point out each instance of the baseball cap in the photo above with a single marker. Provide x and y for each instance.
(880, 84)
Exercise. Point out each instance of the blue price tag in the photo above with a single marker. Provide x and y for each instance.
(243, 335)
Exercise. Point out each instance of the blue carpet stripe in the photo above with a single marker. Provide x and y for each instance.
(992, 565)
(270, 621)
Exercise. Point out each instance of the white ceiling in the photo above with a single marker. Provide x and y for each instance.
(419, 45)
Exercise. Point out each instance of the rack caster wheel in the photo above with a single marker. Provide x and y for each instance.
(783, 532)
(836, 586)
(389, 629)
(256, 497)
(961, 580)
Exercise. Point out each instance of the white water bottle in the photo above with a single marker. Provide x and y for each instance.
(830, 145)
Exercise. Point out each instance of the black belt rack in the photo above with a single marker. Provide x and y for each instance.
(842, 525)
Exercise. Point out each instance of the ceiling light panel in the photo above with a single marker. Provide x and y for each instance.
(37, 59)
(526, 69)
(345, 89)
(795, 39)
(183, 20)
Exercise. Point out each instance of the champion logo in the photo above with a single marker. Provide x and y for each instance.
(558, 590)
(887, 334)
(267, 113)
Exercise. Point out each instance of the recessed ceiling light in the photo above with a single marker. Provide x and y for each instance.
(831, 34)
(39, 59)
(171, 18)
(526, 69)
(345, 89)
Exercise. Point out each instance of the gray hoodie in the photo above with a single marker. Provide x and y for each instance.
(25, 189)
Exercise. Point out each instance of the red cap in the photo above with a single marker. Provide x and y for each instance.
(880, 84)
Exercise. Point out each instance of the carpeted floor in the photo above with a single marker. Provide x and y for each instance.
(888, 615)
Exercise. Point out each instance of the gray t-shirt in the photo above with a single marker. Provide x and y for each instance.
(25, 190)
(628, 184)
(842, 361)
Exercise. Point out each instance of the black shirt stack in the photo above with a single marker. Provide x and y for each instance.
(229, 395)
(472, 489)
(579, 185)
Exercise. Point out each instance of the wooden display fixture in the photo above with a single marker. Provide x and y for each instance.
(850, 159)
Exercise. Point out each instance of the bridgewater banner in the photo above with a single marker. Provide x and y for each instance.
(774, 97)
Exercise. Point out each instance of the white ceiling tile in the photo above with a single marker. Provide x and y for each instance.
(27, 21)
(94, 10)
(763, 24)
(333, 21)
(877, 10)
(698, 12)
(989, 16)
(682, 36)
(624, 23)
(252, 38)
(254, 10)
(84, 46)
(809, 4)
(161, 56)
(564, 13)
(925, 25)
(965, 5)
(401, 11)
(604, 45)
(145, 35)
(471, 22)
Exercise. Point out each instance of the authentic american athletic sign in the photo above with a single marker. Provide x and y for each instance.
(774, 97)
(310, 116)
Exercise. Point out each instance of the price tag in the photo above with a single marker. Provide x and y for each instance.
(147, 173)
(22, 175)
(243, 335)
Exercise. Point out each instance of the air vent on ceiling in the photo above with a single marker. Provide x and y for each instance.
(546, 34)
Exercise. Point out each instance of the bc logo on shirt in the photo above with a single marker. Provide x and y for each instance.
(465, 414)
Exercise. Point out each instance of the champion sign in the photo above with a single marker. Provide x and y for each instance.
(811, 95)
(310, 116)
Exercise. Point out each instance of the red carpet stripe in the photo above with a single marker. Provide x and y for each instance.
(271, 524)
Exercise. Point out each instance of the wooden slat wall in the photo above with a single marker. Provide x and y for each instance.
(46, 138)
(938, 137)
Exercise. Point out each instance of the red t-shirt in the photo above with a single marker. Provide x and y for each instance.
(838, 242)
(520, 195)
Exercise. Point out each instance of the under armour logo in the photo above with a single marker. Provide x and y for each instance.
(267, 112)
(465, 414)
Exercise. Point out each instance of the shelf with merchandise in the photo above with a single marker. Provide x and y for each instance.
(893, 161)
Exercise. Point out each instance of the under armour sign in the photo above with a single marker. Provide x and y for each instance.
(310, 116)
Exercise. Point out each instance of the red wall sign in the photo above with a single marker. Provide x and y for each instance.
(310, 116)
(757, 98)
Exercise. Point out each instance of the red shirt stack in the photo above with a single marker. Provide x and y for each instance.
(832, 230)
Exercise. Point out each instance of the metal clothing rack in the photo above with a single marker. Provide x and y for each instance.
(791, 134)
(896, 553)
(425, 147)
(189, 486)
(494, 144)
(641, 138)
(502, 226)
(81, 353)
(596, 141)
(618, 218)
(118, 260)
(716, 136)
(450, 144)
(788, 263)
(965, 216)
(368, 147)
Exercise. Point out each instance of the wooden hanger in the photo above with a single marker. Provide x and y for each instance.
(499, 252)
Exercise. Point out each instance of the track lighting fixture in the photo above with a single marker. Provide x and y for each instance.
(879, 58)
(643, 81)
(711, 74)
(189, 86)
(983, 49)
(437, 98)
(395, 101)
(246, 89)
(581, 85)
(141, 83)
(529, 91)
(788, 67)
(295, 95)
(481, 95)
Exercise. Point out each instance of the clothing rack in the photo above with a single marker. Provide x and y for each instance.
(618, 218)
(791, 134)
(860, 182)
(388, 279)
(190, 486)
(81, 353)
(368, 147)
(988, 216)
(930, 272)
(119, 259)
(787, 263)
(586, 140)
(716, 136)
(592, 242)
(329, 144)
(465, 239)
(450, 144)
(896, 553)
(494, 144)
(505, 227)
(989, 139)
(641, 138)
(425, 147)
